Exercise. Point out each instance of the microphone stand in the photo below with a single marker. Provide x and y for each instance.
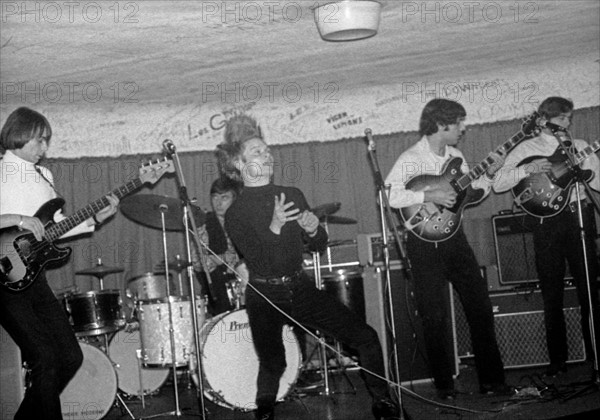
(187, 220)
(387, 222)
(579, 180)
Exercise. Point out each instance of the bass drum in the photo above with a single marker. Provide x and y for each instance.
(230, 364)
(124, 349)
(92, 391)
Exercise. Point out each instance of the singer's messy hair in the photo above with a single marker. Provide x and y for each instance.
(238, 129)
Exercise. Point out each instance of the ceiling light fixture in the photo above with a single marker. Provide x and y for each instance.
(347, 20)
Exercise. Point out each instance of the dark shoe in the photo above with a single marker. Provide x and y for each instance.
(264, 413)
(496, 389)
(555, 369)
(446, 394)
(385, 408)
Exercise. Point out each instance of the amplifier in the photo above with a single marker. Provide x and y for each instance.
(515, 256)
(520, 328)
(370, 249)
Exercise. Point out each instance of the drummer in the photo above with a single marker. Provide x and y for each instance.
(226, 289)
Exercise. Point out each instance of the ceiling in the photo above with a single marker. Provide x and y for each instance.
(96, 54)
(169, 49)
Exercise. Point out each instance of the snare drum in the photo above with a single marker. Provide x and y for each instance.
(149, 286)
(123, 350)
(95, 313)
(154, 329)
(230, 363)
(91, 392)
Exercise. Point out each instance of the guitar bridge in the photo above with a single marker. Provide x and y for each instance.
(526, 195)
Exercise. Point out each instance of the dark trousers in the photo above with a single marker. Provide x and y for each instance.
(433, 266)
(39, 326)
(312, 308)
(557, 242)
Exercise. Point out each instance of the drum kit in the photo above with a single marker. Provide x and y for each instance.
(136, 354)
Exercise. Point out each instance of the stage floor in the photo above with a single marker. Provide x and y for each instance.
(565, 396)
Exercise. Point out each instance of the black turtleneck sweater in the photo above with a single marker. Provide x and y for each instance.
(267, 254)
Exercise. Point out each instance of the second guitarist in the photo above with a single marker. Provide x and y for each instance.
(34, 318)
(556, 239)
(434, 264)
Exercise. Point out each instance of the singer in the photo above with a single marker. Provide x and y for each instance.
(556, 239)
(270, 224)
(434, 264)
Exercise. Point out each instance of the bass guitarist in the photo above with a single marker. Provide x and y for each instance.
(34, 318)
(557, 239)
(452, 260)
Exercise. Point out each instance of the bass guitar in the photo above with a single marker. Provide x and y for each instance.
(545, 194)
(22, 257)
(434, 223)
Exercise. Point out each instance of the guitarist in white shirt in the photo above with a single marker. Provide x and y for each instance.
(556, 238)
(33, 317)
(436, 263)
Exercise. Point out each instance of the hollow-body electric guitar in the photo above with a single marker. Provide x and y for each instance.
(23, 257)
(435, 223)
(545, 194)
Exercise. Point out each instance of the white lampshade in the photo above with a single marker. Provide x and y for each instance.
(348, 20)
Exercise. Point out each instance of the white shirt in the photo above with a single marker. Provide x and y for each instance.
(419, 159)
(543, 146)
(23, 190)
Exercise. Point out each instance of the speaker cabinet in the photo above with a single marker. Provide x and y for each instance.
(515, 256)
(412, 358)
(12, 388)
(520, 328)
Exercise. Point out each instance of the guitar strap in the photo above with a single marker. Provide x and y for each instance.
(37, 169)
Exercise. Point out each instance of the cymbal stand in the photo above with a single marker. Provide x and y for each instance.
(163, 208)
(188, 220)
(322, 348)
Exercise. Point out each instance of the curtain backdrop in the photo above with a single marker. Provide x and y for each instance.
(326, 172)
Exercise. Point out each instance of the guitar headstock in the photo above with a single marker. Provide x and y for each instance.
(530, 124)
(152, 172)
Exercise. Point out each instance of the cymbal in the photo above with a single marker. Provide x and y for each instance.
(100, 270)
(338, 220)
(146, 210)
(326, 209)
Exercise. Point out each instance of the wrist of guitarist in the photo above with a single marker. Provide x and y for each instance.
(537, 165)
(440, 196)
(106, 212)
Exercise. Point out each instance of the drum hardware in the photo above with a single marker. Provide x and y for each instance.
(150, 285)
(99, 271)
(167, 213)
(178, 265)
(322, 346)
(126, 355)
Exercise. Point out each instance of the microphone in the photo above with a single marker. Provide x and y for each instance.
(542, 122)
(169, 147)
(370, 142)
